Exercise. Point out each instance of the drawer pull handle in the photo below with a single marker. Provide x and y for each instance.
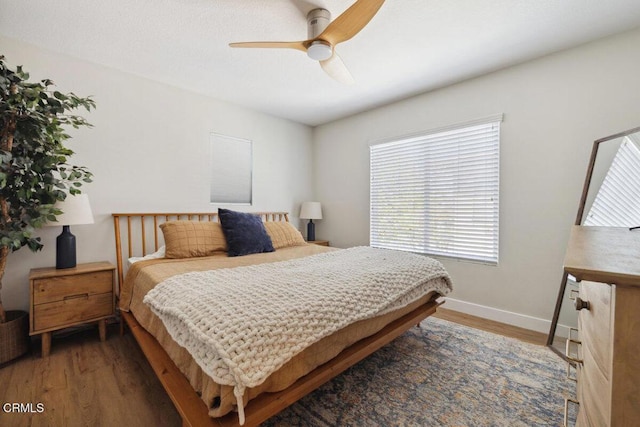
(70, 297)
(566, 410)
(581, 304)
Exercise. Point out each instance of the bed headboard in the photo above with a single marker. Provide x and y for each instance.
(138, 234)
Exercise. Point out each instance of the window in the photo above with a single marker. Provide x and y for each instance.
(231, 166)
(437, 193)
(617, 203)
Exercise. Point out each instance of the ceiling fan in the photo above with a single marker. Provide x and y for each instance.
(324, 34)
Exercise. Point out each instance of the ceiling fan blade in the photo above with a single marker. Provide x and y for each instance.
(335, 68)
(351, 21)
(272, 45)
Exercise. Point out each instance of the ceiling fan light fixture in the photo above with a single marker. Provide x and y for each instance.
(320, 51)
(323, 35)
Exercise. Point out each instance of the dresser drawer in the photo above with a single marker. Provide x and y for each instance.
(72, 310)
(595, 325)
(595, 389)
(54, 289)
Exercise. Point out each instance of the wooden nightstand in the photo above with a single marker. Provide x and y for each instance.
(319, 242)
(66, 297)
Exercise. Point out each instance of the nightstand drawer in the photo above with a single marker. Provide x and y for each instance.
(54, 289)
(74, 308)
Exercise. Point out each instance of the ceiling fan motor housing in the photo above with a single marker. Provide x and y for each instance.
(317, 21)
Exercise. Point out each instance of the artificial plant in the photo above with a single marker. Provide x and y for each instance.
(34, 172)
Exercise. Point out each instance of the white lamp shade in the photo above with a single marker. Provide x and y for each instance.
(311, 210)
(75, 210)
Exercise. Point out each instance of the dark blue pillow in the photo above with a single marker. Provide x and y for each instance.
(244, 232)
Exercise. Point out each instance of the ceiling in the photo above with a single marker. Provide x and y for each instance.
(409, 47)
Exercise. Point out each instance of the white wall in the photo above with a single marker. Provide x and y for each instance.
(149, 151)
(554, 108)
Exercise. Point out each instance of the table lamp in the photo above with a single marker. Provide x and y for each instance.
(311, 211)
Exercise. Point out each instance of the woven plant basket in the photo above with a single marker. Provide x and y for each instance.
(14, 336)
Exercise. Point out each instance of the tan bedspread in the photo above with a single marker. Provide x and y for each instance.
(144, 275)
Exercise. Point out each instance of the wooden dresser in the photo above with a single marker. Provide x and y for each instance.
(606, 261)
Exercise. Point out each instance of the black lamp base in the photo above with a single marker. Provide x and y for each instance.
(66, 249)
(311, 231)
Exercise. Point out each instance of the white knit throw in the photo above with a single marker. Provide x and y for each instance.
(242, 324)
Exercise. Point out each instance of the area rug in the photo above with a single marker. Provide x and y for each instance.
(442, 374)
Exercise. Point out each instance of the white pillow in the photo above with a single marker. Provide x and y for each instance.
(157, 254)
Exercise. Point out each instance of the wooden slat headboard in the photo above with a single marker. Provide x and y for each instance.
(135, 231)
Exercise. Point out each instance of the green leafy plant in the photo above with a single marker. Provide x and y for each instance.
(34, 172)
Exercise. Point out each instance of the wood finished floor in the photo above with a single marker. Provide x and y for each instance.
(492, 326)
(88, 383)
(85, 382)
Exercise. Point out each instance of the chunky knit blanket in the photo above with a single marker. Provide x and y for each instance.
(242, 324)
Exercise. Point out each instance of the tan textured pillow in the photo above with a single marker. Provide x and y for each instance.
(283, 234)
(186, 239)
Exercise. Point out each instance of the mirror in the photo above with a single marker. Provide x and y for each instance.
(610, 198)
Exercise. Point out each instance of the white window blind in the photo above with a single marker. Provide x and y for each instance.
(231, 169)
(617, 203)
(437, 193)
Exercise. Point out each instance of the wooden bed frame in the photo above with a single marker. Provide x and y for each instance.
(188, 403)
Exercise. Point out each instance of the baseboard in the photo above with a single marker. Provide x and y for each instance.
(503, 316)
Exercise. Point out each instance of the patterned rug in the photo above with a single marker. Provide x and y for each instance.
(442, 374)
